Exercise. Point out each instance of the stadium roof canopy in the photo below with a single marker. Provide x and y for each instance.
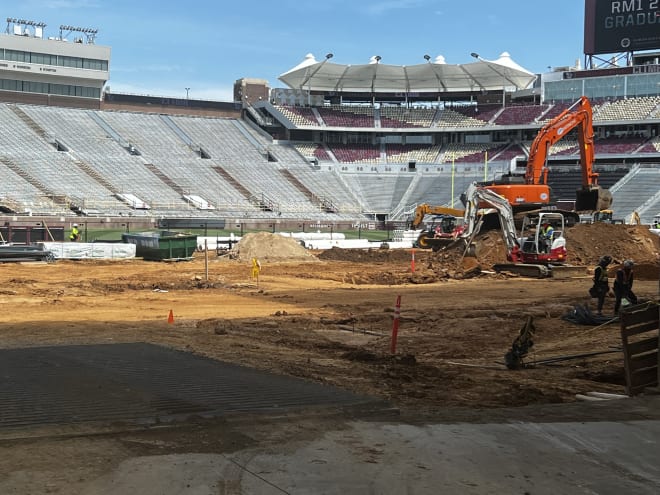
(436, 76)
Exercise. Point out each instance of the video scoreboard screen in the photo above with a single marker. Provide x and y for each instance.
(614, 26)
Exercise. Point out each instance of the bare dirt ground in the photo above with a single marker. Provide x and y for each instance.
(328, 318)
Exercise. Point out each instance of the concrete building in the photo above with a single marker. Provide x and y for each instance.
(65, 70)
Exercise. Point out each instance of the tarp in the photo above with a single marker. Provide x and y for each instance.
(90, 250)
(436, 76)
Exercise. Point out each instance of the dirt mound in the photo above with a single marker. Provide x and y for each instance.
(270, 247)
(586, 243)
(370, 255)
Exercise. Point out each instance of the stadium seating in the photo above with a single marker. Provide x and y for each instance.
(401, 117)
(638, 192)
(627, 109)
(618, 146)
(300, 116)
(56, 160)
(519, 114)
(340, 116)
(356, 153)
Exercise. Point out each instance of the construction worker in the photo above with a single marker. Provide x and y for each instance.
(546, 235)
(601, 285)
(75, 233)
(623, 285)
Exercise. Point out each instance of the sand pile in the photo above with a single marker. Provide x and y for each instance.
(270, 247)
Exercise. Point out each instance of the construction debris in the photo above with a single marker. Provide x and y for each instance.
(581, 314)
(521, 345)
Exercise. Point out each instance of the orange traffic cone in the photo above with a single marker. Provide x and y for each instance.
(170, 318)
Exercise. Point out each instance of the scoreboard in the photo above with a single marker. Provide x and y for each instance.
(612, 26)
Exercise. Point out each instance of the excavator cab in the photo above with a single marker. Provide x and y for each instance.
(542, 239)
(444, 224)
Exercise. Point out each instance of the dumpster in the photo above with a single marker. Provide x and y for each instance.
(163, 245)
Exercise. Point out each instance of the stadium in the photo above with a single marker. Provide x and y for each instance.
(340, 145)
(275, 367)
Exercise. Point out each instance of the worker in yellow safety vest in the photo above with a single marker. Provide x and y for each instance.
(75, 233)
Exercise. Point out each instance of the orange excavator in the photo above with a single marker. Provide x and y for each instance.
(532, 191)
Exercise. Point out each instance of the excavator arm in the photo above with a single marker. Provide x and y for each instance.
(578, 116)
(475, 198)
(534, 190)
(556, 129)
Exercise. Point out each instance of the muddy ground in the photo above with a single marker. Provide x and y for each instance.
(328, 318)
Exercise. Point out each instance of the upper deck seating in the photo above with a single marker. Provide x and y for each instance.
(485, 112)
(347, 116)
(519, 114)
(300, 116)
(627, 109)
(451, 118)
(553, 111)
(401, 117)
(404, 153)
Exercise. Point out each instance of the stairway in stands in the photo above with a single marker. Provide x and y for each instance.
(38, 130)
(165, 178)
(263, 203)
(326, 205)
(58, 199)
(94, 174)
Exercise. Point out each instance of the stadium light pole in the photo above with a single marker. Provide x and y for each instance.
(427, 57)
(478, 57)
(187, 93)
(328, 56)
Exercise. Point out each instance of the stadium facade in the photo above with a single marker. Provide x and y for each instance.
(340, 145)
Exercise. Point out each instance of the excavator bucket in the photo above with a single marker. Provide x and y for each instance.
(593, 199)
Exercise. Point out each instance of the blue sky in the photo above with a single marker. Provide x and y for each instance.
(162, 47)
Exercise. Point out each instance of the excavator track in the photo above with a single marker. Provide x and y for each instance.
(524, 269)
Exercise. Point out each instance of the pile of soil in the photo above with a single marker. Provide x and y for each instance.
(265, 246)
(370, 255)
(586, 243)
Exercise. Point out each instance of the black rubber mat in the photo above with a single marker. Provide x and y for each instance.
(141, 382)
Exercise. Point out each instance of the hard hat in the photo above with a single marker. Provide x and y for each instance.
(75, 224)
(628, 264)
(605, 259)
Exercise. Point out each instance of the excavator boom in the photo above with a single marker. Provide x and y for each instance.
(534, 190)
(556, 129)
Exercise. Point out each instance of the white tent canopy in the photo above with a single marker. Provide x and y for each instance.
(431, 77)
